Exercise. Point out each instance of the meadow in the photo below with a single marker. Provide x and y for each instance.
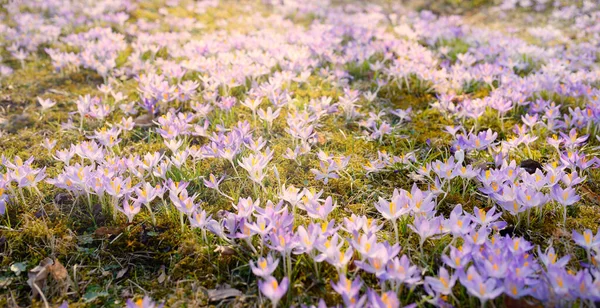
(299, 153)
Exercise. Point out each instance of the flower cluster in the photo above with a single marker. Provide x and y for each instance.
(402, 158)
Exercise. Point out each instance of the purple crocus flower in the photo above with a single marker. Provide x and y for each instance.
(316, 210)
(565, 197)
(402, 271)
(394, 209)
(572, 140)
(264, 267)
(484, 289)
(273, 290)
(145, 302)
(484, 218)
(587, 240)
(385, 300)
(550, 259)
(515, 288)
(442, 284)
(3, 197)
(458, 257)
(130, 209)
(425, 227)
(347, 288)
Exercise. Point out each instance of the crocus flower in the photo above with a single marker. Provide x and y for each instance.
(130, 209)
(477, 237)
(264, 267)
(268, 116)
(402, 271)
(572, 140)
(396, 208)
(307, 239)
(291, 194)
(365, 244)
(145, 302)
(515, 288)
(273, 290)
(65, 155)
(550, 259)
(262, 226)
(587, 240)
(270, 210)
(316, 210)
(377, 264)
(496, 266)
(3, 197)
(183, 202)
(560, 281)
(458, 223)
(484, 218)
(245, 207)
(118, 187)
(443, 283)
(347, 287)
(517, 245)
(458, 257)
(325, 172)
(49, 144)
(255, 165)
(386, 300)
(282, 241)
(147, 193)
(199, 219)
(46, 103)
(572, 179)
(425, 227)
(481, 288)
(565, 197)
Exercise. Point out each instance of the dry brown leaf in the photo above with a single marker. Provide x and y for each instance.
(107, 231)
(321, 139)
(225, 250)
(38, 275)
(144, 120)
(216, 295)
(519, 303)
(122, 272)
(590, 195)
(163, 276)
(58, 271)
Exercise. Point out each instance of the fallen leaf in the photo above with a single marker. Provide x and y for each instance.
(589, 195)
(58, 271)
(163, 276)
(520, 303)
(58, 92)
(107, 231)
(216, 295)
(321, 139)
(18, 268)
(122, 272)
(5, 282)
(91, 296)
(144, 120)
(63, 198)
(225, 250)
(38, 275)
